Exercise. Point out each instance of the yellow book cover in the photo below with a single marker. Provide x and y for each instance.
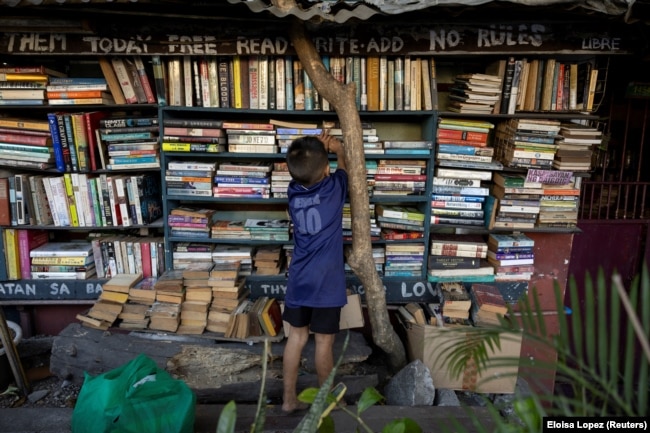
(80, 141)
(61, 261)
(69, 190)
(236, 77)
(11, 254)
(110, 296)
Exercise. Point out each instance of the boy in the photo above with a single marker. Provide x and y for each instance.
(316, 282)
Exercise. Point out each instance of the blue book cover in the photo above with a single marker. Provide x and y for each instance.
(459, 149)
(467, 198)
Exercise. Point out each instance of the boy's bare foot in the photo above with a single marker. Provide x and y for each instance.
(288, 409)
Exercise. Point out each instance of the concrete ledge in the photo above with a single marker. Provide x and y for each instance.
(430, 418)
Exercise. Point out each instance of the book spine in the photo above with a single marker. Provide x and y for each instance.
(124, 79)
(144, 80)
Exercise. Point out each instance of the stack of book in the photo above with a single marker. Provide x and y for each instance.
(129, 142)
(198, 297)
(229, 229)
(114, 295)
(165, 312)
(558, 206)
(458, 197)
(191, 222)
(165, 316)
(26, 143)
(193, 135)
(268, 229)
(284, 136)
(575, 144)
(464, 140)
(268, 260)
(398, 177)
(527, 143)
(408, 219)
(280, 178)
(487, 304)
(257, 138)
(78, 91)
(474, 93)
(458, 258)
(404, 259)
(228, 291)
(455, 303)
(375, 229)
(194, 179)
(135, 313)
(512, 256)
(25, 85)
(188, 254)
(242, 254)
(514, 202)
(59, 255)
(243, 179)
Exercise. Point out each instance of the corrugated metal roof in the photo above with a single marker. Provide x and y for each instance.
(340, 11)
(343, 10)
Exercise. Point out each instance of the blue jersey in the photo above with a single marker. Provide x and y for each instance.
(317, 268)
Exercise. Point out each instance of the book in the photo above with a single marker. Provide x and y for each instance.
(26, 241)
(487, 297)
(122, 283)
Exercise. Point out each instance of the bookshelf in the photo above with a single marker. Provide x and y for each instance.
(177, 97)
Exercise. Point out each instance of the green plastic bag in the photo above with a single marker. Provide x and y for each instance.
(136, 397)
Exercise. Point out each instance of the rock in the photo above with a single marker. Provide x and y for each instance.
(411, 386)
(446, 397)
(37, 395)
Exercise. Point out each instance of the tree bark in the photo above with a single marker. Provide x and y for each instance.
(359, 257)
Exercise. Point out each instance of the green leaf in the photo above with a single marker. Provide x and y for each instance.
(402, 425)
(308, 395)
(327, 425)
(369, 398)
(228, 418)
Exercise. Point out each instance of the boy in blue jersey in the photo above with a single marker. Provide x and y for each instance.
(316, 283)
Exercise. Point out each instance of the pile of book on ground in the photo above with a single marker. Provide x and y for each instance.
(190, 301)
(460, 304)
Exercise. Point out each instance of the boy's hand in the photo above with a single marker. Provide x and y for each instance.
(332, 144)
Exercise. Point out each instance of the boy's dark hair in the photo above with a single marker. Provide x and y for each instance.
(306, 159)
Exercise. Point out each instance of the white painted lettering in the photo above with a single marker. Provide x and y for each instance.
(444, 40)
(16, 289)
(56, 289)
(93, 289)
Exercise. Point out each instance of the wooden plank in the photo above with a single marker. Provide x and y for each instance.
(12, 356)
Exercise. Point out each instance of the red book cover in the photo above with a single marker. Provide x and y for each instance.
(5, 207)
(145, 248)
(456, 134)
(19, 138)
(28, 240)
(489, 298)
(91, 123)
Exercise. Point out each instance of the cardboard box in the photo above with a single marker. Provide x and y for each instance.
(351, 315)
(430, 344)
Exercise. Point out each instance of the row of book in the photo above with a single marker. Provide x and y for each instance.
(125, 80)
(545, 85)
(281, 83)
(461, 304)
(80, 142)
(80, 200)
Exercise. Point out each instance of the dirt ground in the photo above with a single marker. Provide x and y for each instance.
(50, 391)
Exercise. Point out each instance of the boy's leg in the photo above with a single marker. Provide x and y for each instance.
(290, 364)
(324, 357)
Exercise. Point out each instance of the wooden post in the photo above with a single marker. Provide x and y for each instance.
(12, 355)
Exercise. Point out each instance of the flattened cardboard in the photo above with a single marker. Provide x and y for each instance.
(428, 343)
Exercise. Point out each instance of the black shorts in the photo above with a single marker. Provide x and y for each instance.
(319, 320)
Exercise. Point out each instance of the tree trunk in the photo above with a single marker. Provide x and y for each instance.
(359, 257)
